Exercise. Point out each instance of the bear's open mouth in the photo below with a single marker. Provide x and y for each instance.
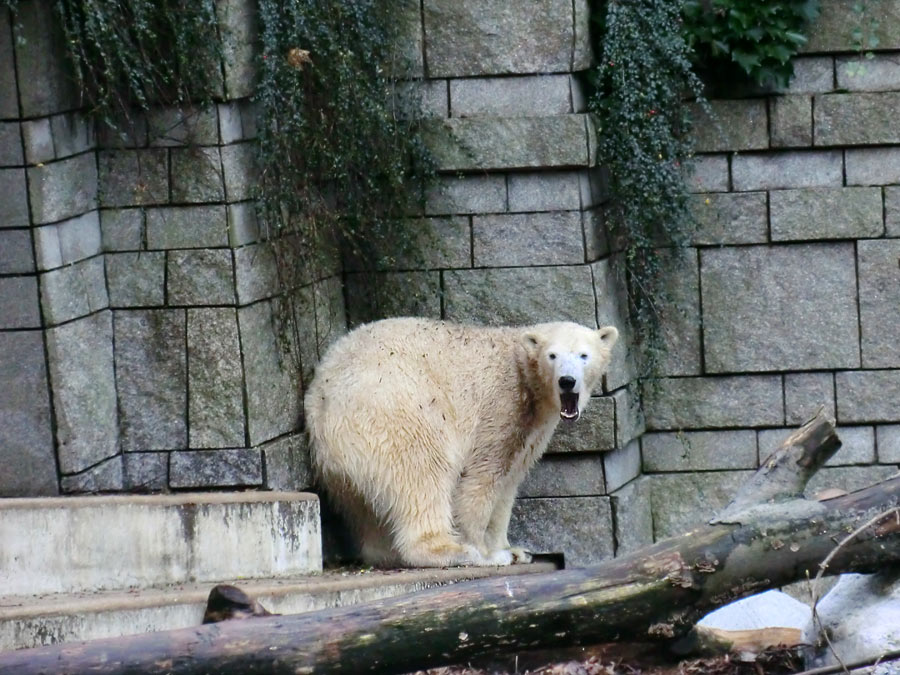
(568, 409)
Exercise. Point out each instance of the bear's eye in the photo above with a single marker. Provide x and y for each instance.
(584, 357)
(552, 356)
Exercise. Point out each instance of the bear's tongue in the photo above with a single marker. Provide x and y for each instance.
(568, 402)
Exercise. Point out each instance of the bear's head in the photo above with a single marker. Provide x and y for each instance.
(570, 360)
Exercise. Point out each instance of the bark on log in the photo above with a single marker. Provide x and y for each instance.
(658, 592)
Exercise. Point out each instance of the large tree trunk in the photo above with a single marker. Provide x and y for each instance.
(766, 538)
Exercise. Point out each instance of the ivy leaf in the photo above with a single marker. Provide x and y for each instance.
(745, 60)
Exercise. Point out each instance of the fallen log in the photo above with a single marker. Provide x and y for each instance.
(766, 538)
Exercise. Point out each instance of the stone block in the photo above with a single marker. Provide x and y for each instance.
(683, 501)
(704, 402)
(632, 516)
(608, 277)
(121, 229)
(304, 317)
(888, 440)
(26, 442)
(811, 288)
(63, 189)
(596, 239)
(73, 133)
(484, 193)
(730, 218)
(526, 239)
(482, 143)
(9, 99)
(200, 277)
(331, 312)
(872, 166)
(868, 396)
(858, 445)
(136, 279)
(856, 119)
(215, 468)
(104, 477)
(699, 450)
(187, 227)
(545, 191)
(825, 213)
(16, 253)
(892, 210)
(848, 478)
(622, 465)
(679, 315)
(388, 294)
(579, 527)
(239, 28)
(595, 430)
(792, 121)
(73, 291)
(134, 177)
(839, 26)
(176, 126)
(197, 175)
(812, 75)
(240, 170)
(791, 169)
(145, 471)
(215, 379)
(19, 307)
(11, 144)
(420, 243)
(82, 378)
(67, 242)
(708, 173)
(231, 127)
(805, 393)
(151, 376)
(38, 138)
(287, 463)
(406, 60)
(270, 371)
(255, 271)
(14, 205)
(529, 96)
(520, 295)
(879, 299)
(127, 133)
(630, 422)
(243, 225)
(735, 125)
(468, 37)
(415, 99)
(565, 476)
(879, 73)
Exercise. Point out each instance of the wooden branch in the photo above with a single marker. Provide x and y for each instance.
(658, 593)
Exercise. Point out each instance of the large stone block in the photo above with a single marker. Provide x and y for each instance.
(9, 99)
(151, 375)
(176, 126)
(121, 229)
(67, 242)
(892, 210)
(872, 166)
(26, 441)
(145, 471)
(11, 144)
(74, 291)
(792, 121)
(482, 143)
(416, 99)
(136, 279)
(842, 27)
(792, 169)
(16, 253)
(708, 173)
(215, 468)
(63, 189)
(240, 171)
(287, 463)
(632, 516)
(104, 477)
(825, 213)
(595, 430)
(388, 294)
(704, 402)
(19, 306)
(511, 96)
(38, 137)
(622, 465)
(888, 440)
(812, 75)
(868, 396)
(331, 311)
(858, 73)
(735, 125)
(565, 476)
(630, 422)
(73, 133)
(579, 527)
(527, 239)
(256, 272)
(468, 37)
(879, 302)
(239, 28)
(547, 191)
(243, 224)
(187, 227)
(82, 378)
(197, 175)
(699, 450)
(14, 205)
(215, 379)
(805, 393)
(420, 243)
(730, 218)
(679, 313)
(683, 501)
(520, 295)
(200, 277)
(856, 119)
(271, 373)
(134, 177)
(811, 288)
(466, 194)
(608, 277)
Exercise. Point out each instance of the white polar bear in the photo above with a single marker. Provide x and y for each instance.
(421, 431)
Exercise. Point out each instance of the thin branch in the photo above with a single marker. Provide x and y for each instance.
(886, 657)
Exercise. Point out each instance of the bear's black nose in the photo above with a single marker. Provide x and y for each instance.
(567, 383)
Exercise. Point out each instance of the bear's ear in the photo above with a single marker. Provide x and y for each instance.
(608, 335)
(533, 342)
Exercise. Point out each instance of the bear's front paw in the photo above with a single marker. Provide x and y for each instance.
(519, 555)
(501, 557)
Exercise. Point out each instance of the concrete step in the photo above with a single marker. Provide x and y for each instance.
(35, 620)
(108, 543)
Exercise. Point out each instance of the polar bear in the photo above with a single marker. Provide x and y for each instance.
(421, 431)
